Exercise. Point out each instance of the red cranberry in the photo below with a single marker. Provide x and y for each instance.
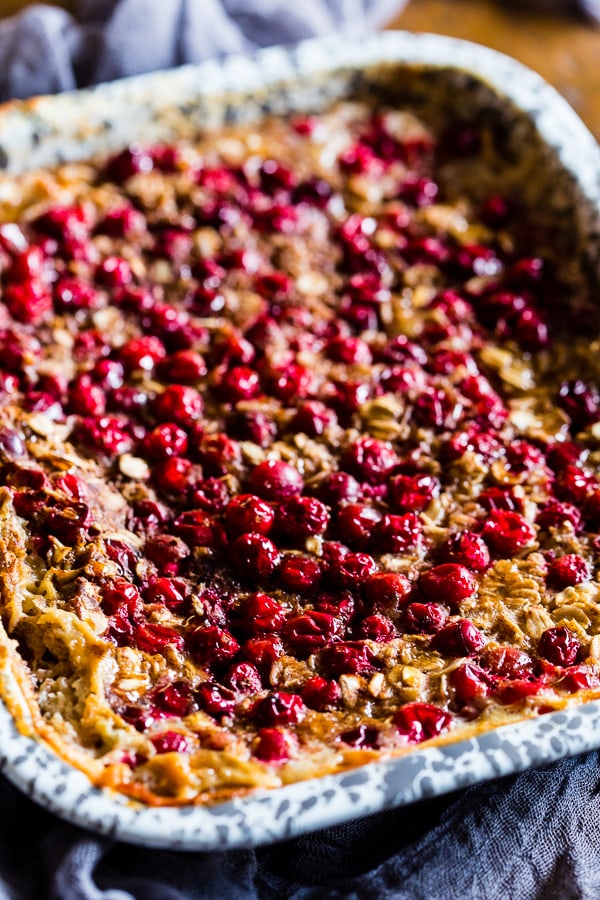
(420, 722)
(107, 374)
(121, 598)
(219, 454)
(233, 348)
(412, 493)
(135, 160)
(468, 684)
(243, 678)
(27, 301)
(578, 678)
(376, 628)
(524, 457)
(339, 487)
(474, 440)
(260, 613)
(564, 453)
(362, 737)
(215, 699)
(370, 460)
(313, 191)
(279, 708)
(301, 517)
(314, 418)
(184, 367)
(238, 383)
(29, 264)
(165, 441)
(67, 224)
(339, 604)
(434, 409)
(360, 316)
(211, 645)
(299, 574)
(170, 742)
(417, 191)
(175, 699)
(349, 396)
(174, 475)
(173, 326)
(352, 570)
(467, 549)
(274, 176)
(142, 353)
(246, 513)
(154, 638)
(273, 745)
(555, 514)
(320, 693)
(171, 592)
(507, 533)
(502, 499)
(71, 294)
(568, 571)
(167, 553)
(253, 426)
(122, 222)
(581, 402)
(178, 403)
(592, 511)
(211, 495)
(347, 658)
(460, 638)
(263, 651)
(449, 583)
(387, 590)
(291, 383)
(310, 631)
(129, 400)
(276, 480)
(574, 484)
(349, 350)
(199, 530)
(114, 272)
(516, 691)
(507, 662)
(355, 524)
(105, 435)
(255, 556)
(530, 331)
(424, 618)
(397, 534)
(85, 398)
(559, 646)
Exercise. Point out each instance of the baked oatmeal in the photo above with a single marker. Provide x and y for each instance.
(299, 456)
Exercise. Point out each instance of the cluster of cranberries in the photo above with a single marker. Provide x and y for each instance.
(250, 556)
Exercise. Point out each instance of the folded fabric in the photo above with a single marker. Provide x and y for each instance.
(46, 49)
(532, 836)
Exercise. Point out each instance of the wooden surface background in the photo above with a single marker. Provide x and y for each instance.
(565, 51)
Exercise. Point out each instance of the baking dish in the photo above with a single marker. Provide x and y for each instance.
(397, 68)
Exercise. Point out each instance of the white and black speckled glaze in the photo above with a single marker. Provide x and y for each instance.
(473, 81)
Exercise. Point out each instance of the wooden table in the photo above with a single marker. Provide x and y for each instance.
(565, 51)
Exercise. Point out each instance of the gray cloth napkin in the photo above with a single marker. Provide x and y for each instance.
(529, 837)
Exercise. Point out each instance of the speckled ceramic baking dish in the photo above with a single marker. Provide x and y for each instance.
(436, 76)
